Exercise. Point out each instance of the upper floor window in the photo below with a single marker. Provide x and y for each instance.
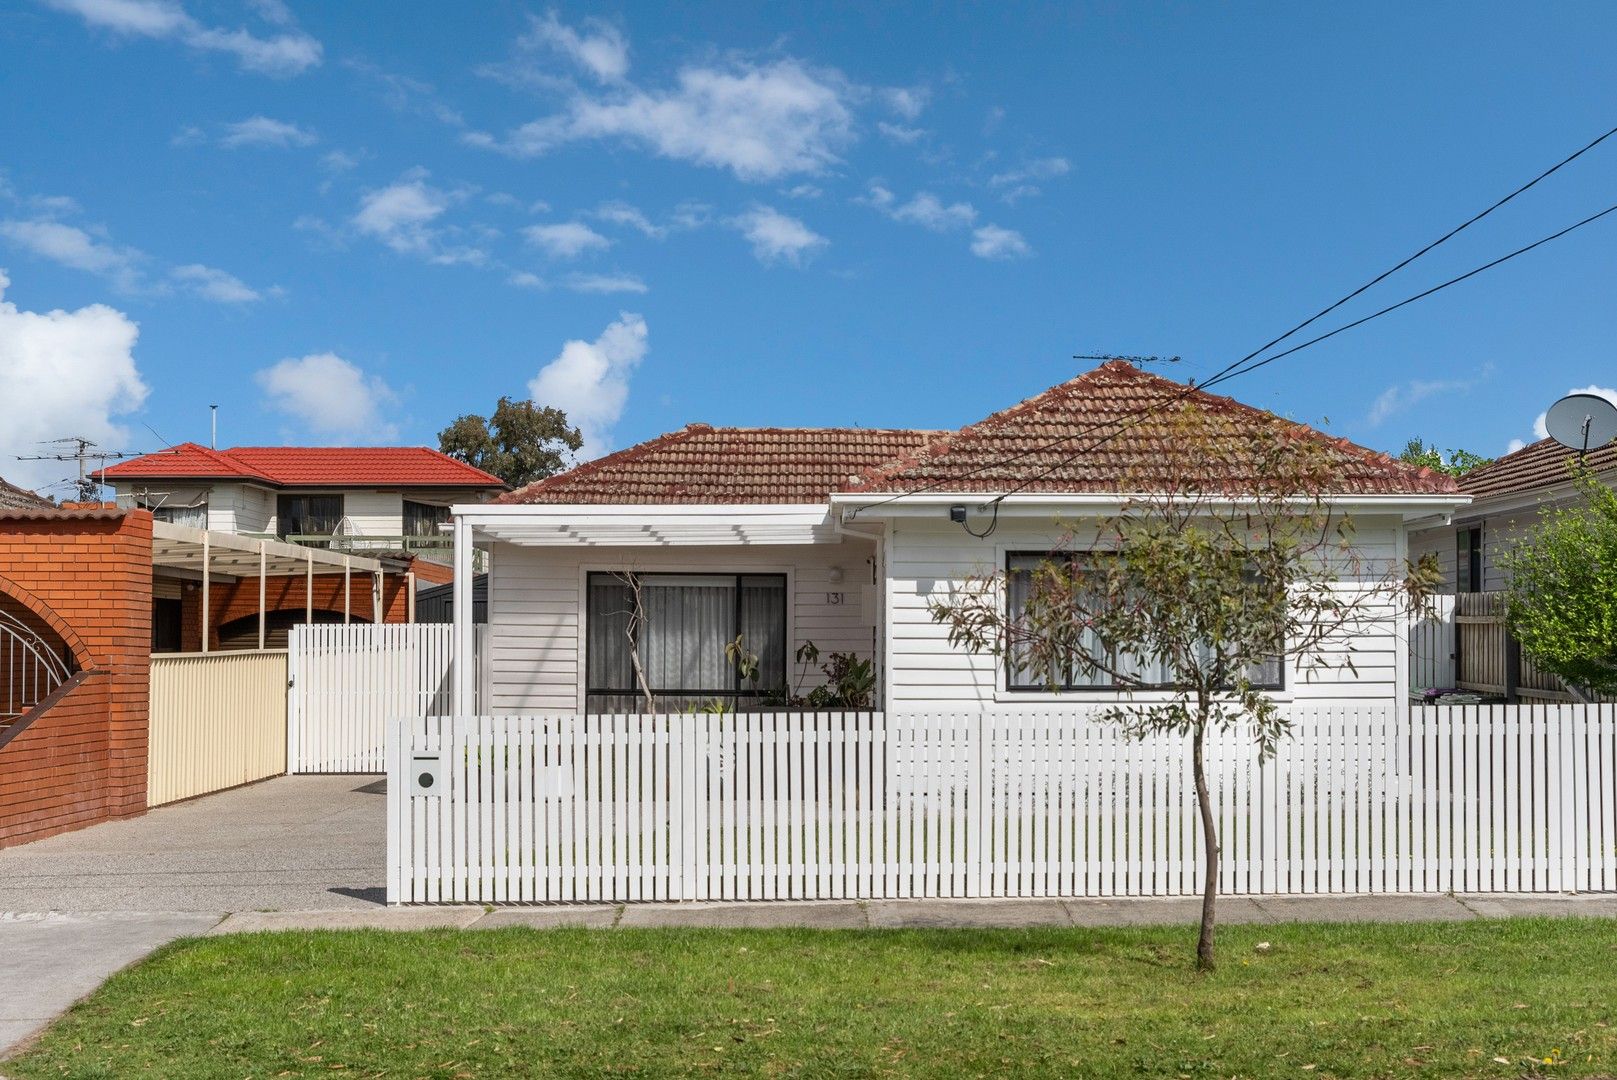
(423, 519)
(308, 515)
(194, 517)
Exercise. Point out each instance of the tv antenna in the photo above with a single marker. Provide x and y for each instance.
(83, 450)
(1582, 422)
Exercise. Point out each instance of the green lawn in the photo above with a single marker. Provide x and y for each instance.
(1438, 1000)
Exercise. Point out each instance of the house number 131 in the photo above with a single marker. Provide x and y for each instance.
(833, 598)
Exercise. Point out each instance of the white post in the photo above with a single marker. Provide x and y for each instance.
(206, 598)
(262, 561)
(376, 597)
(308, 586)
(409, 585)
(463, 670)
(347, 589)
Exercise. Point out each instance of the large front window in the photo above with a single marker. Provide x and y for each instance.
(1140, 675)
(308, 515)
(674, 629)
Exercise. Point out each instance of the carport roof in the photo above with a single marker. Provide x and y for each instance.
(181, 547)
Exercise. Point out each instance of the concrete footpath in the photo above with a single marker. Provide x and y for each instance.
(48, 961)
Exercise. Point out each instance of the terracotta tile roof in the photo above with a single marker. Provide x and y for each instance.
(13, 497)
(1051, 443)
(307, 466)
(1539, 465)
(704, 464)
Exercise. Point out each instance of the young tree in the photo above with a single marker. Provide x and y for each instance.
(1213, 585)
(1455, 463)
(522, 442)
(1561, 602)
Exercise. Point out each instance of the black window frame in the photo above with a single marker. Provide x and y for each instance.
(1470, 556)
(1087, 688)
(738, 689)
(282, 516)
(440, 515)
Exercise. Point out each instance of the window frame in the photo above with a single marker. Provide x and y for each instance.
(737, 690)
(281, 529)
(438, 519)
(1111, 688)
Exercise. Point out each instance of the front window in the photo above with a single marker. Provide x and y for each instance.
(308, 515)
(677, 638)
(423, 519)
(1142, 674)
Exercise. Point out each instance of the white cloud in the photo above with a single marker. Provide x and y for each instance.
(330, 398)
(1542, 432)
(907, 101)
(993, 242)
(289, 52)
(589, 381)
(605, 283)
(404, 216)
(406, 95)
(1023, 181)
(899, 133)
(1514, 445)
(600, 50)
(761, 122)
(621, 213)
(804, 191)
(525, 279)
(565, 239)
(266, 132)
(73, 247)
(930, 212)
(1403, 396)
(63, 373)
(777, 237)
(213, 284)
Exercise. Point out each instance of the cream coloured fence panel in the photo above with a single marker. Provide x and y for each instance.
(217, 720)
(866, 805)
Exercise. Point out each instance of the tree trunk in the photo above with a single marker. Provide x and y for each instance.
(1204, 801)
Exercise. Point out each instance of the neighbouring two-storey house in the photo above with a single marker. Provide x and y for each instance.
(370, 514)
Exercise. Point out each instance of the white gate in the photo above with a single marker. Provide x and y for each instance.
(346, 681)
(862, 805)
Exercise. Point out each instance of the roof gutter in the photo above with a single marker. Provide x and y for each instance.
(851, 506)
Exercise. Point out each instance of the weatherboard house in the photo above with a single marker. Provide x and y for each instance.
(842, 537)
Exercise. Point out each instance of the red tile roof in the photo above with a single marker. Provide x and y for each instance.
(306, 466)
(1539, 465)
(1052, 443)
(13, 497)
(704, 464)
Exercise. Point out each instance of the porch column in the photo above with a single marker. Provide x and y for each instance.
(409, 596)
(463, 669)
(308, 586)
(206, 598)
(347, 590)
(262, 561)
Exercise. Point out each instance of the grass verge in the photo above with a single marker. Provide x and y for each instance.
(1480, 999)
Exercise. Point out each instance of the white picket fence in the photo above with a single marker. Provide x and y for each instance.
(346, 680)
(863, 805)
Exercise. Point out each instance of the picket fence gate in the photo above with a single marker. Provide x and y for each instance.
(866, 805)
(346, 680)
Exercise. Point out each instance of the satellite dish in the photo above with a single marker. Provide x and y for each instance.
(1582, 422)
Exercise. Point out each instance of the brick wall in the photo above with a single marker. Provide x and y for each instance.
(82, 759)
(239, 599)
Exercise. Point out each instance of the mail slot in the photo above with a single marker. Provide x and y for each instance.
(426, 775)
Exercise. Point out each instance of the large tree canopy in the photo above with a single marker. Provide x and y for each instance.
(1561, 603)
(522, 442)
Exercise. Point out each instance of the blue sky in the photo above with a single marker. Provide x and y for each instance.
(353, 222)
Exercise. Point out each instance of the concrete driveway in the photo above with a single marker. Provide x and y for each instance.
(291, 843)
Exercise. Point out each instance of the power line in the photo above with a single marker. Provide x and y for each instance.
(1230, 368)
(1231, 372)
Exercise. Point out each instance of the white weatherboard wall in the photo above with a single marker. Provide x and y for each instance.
(536, 607)
(927, 558)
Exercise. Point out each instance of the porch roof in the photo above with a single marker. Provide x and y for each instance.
(181, 547)
(650, 525)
